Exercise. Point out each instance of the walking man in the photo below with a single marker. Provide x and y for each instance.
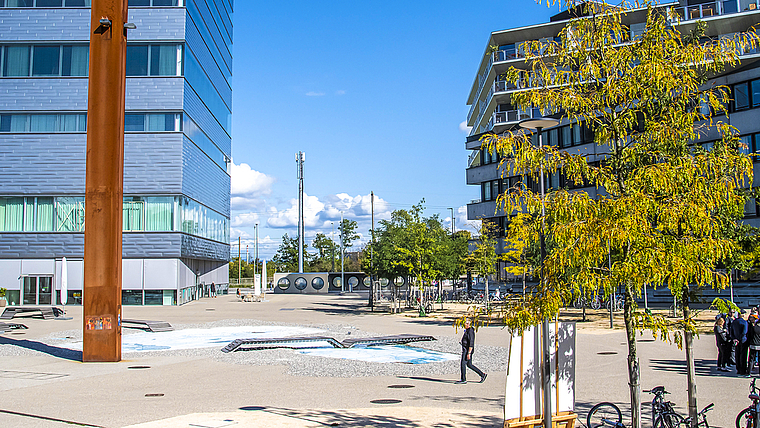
(468, 346)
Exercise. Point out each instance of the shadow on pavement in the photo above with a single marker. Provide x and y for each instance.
(702, 366)
(495, 402)
(427, 379)
(65, 353)
(330, 418)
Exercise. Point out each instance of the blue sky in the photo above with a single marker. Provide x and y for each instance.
(373, 92)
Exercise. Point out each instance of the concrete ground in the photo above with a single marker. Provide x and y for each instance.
(50, 389)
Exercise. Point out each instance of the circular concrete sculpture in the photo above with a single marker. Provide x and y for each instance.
(301, 283)
(283, 283)
(317, 283)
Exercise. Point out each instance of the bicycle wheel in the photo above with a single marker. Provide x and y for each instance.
(745, 419)
(604, 414)
(668, 420)
(596, 304)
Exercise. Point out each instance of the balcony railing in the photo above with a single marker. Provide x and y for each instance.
(716, 8)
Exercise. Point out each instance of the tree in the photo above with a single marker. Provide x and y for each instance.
(324, 258)
(663, 202)
(347, 232)
(286, 257)
(484, 259)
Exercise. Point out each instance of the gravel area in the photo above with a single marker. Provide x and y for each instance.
(487, 358)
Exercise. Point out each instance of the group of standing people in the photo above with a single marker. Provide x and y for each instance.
(737, 336)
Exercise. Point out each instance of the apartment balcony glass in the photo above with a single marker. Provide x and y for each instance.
(715, 8)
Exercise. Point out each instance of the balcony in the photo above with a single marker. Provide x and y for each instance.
(716, 8)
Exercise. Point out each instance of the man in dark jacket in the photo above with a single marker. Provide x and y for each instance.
(468, 346)
(739, 330)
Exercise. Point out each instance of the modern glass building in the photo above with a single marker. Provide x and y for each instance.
(177, 149)
(492, 111)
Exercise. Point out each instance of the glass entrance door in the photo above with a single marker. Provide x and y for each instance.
(45, 290)
(38, 290)
(30, 290)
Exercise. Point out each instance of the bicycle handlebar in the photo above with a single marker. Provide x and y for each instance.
(707, 408)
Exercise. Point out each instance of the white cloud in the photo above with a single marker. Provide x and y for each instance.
(340, 92)
(464, 128)
(248, 186)
(245, 220)
(315, 94)
(249, 182)
(462, 223)
(318, 215)
(289, 217)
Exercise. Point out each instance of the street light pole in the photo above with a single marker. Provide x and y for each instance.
(452, 221)
(342, 232)
(539, 124)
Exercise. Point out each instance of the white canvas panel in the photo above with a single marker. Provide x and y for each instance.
(75, 274)
(10, 271)
(160, 274)
(132, 274)
(523, 387)
(38, 267)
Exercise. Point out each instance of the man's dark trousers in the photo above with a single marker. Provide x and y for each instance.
(742, 356)
(468, 363)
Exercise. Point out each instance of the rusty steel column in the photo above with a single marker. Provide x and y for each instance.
(104, 182)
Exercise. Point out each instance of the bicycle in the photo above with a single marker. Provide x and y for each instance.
(749, 417)
(686, 423)
(604, 414)
(663, 409)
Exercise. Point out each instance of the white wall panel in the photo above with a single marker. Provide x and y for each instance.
(131, 274)
(10, 270)
(160, 274)
(38, 267)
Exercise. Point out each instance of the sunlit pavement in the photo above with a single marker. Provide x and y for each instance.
(48, 388)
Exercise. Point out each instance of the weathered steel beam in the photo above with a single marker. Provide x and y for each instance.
(104, 182)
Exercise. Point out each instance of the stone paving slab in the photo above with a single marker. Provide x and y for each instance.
(44, 381)
(422, 417)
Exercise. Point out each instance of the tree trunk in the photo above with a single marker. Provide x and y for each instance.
(634, 373)
(691, 378)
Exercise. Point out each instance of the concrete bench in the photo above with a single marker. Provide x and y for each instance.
(47, 312)
(7, 327)
(248, 297)
(153, 326)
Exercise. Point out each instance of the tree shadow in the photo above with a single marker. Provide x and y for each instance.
(64, 353)
(332, 418)
(494, 402)
(427, 379)
(702, 366)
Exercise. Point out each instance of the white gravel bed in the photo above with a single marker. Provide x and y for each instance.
(487, 358)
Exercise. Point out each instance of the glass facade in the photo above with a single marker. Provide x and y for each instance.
(140, 214)
(86, 3)
(43, 123)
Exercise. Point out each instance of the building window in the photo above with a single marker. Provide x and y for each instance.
(86, 3)
(155, 3)
(45, 60)
(154, 60)
(43, 123)
(152, 122)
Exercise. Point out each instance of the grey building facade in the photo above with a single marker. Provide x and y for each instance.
(491, 110)
(177, 149)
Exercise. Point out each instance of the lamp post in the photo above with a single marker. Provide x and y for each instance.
(342, 232)
(539, 124)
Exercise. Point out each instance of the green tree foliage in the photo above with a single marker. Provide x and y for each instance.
(327, 252)
(663, 205)
(286, 258)
(415, 246)
(347, 230)
(484, 260)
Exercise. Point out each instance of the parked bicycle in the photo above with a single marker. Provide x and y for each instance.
(608, 415)
(749, 417)
(686, 423)
(663, 409)
(604, 414)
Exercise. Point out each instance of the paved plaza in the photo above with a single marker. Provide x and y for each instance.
(44, 384)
